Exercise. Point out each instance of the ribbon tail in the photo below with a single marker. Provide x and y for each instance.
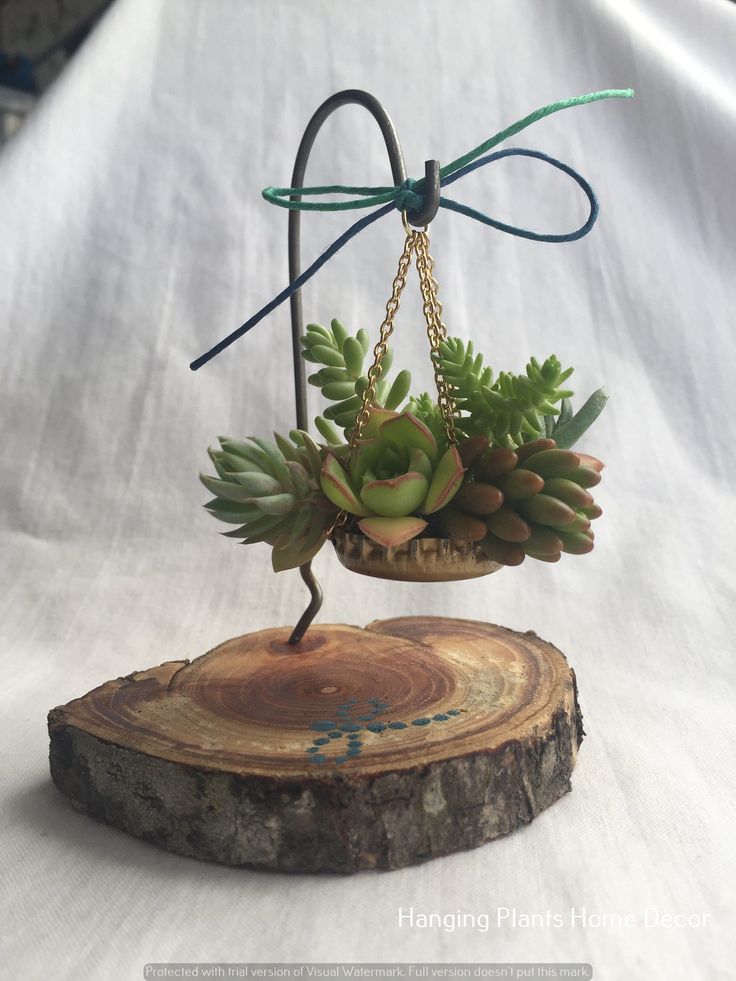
(517, 127)
(300, 280)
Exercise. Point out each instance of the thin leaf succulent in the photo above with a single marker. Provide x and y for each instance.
(512, 484)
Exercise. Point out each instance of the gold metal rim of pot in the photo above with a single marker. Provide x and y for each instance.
(418, 560)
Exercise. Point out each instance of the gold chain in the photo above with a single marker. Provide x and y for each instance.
(416, 241)
(379, 351)
(436, 331)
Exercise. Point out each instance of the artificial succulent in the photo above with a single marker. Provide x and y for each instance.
(271, 490)
(533, 501)
(395, 476)
(341, 378)
(514, 409)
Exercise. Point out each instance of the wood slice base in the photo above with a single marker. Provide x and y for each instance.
(358, 748)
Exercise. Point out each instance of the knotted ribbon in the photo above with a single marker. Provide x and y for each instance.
(408, 197)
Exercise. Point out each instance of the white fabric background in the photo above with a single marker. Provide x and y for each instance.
(134, 236)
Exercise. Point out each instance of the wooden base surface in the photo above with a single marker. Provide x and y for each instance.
(358, 748)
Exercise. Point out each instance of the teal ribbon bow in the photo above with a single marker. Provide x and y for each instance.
(408, 197)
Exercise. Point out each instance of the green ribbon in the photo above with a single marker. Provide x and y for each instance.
(370, 197)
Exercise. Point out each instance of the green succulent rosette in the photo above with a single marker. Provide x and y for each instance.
(393, 478)
(272, 492)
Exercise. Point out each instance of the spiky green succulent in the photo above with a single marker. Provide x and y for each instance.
(514, 409)
(342, 379)
(568, 427)
(395, 477)
(425, 408)
(272, 491)
(533, 501)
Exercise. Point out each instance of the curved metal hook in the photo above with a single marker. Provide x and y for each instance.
(430, 190)
(398, 173)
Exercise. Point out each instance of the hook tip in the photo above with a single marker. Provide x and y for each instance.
(430, 194)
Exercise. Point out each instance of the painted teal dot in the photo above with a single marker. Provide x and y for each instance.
(313, 749)
(340, 759)
(321, 741)
(376, 726)
(335, 735)
(354, 751)
(420, 722)
(322, 725)
(366, 718)
(353, 736)
(440, 717)
(453, 712)
(319, 758)
(397, 725)
(350, 727)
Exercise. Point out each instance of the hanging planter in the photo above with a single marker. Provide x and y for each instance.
(410, 487)
(419, 560)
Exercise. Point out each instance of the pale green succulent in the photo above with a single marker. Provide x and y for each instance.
(272, 491)
(393, 478)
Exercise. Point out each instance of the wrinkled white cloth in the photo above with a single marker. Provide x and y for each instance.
(134, 236)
